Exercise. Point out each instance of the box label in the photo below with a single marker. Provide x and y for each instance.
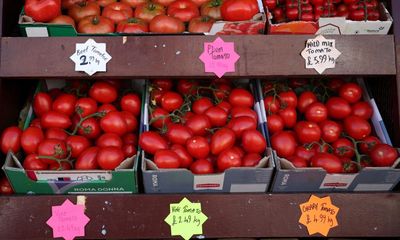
(36, 32)
(69, 176)
(214, 182)
(339, 181)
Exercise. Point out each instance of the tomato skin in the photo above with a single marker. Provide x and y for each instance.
(383, 155)
(52, 119)
(106, 108)
(5, 186)
(60, 166)
(132, 124)
(368, 144)
(30, 139)
(185, 158)
(222, 139)
(305, 99)
(131, 103)
(42, 103)
(165, 3)
(148, 11)
(32, 162)
(289, 117)
(275, 123)
(253, 141)
(166, 159)
(239, 10)
(151, 142)
(104, 3)
(90, 128)
(202, 166)
(109, 140)
(129, 150)
(288, 99)
(240, 124)
(134, 3)
(225, 105)
(114, 122)
(316, 112)
(130, 138)
(198, 147)
(42, 11)
(243, 111)
(362, 109)
(52, 148)
(109, 158)
(95, 25)
(65, 103)
(284, 143)
(78, 144)
(357, 128)
(251, 160)
(35, 123)
(187, 86)
(86, 106)
(166, 24)
(83, 9)
(199, 124)
(103, 92)
(327, 161)
(271, 104)
(298, 162)
(159, 117)
(171, 101)
(351, 92)
(240, 97)
(183, 10)
(117, 12)
(338, 108)
(305, 153)
(307, 132)
(87, 160)
(132, 25)
(218, 117)
(178, 134)
(330, 130)
(201, 105)
(343, 147)
(229, 158)
(56, 133)
(212, 9)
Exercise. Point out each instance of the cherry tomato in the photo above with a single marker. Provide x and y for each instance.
(202, 166)
(343, 147)
(201, 105)
(87, 160)
(316, 112)
(78, 144)
(30, 139)
(240, 124)
(109, 158)
(229, 158)
(330, 130)
(52, 148)
(298, 162)
(351, 92)
(327, 161)
(362, 109)
(338, 108)
(239, 10)
(52, 119)
(103, 92)
(357, 128)
(307, 132)
(284, 143)
(131, 103)
(114, 122)
(166, 159)
(222, 139)
(90, 128)
(199, 124)
(178, 134)
(42, 103)
(368, 144)
(305, 99)
(159, 118)
(275, 123)
(151, 142)
(240, 97)
(85, 106)
(198, 147)
(56, 133)
(383, 155)
(32, 162)
(185, 158)
(289, 117)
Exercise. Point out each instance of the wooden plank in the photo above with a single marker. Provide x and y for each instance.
(177, 56)
(229, 215)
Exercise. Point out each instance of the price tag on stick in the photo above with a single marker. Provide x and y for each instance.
(91, 57)
(320, 53)
(186, 219)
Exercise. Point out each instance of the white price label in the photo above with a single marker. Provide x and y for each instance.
(320, 53)
(90, 57)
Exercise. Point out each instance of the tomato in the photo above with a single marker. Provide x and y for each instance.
(85, 106)
(109, 158)
(65, 4)
(275, 123)
(109, 140)
(288, 99)
(78, 144)
(32, 162)
(52, 119)
(30, 139)
(222, 91)
(171, 101)
(331, 130)
(222, 139)
(305, 99)
(292, 13)
(63, 19)
(130, 138)
(357, 128)
(199, 124)
(183, 10)
(166, 24)
(166, 159)
(52, 148)
(343, 147)
(201, 105)
(60, 166)
(383, 155)
(178, 134)
(362, 109)
(357, 15)
(165, 3)
(151, 141)
(338, 108)
(129, 150)
(134, 3)
(132, 124)
(289, 117)
(42, 103)
(316, 112)
(373, 15)
(83, 9)
(90, 128)
(239, 10)
(244, 111)
(298, 162)
(56, 133)
(185, 86)
(305, 153)
(271, 104)
(284, 143)
(42, 10)
(164, 84)
(212, 9)
(5, 186)
(202, 166)
(147, 11)
(117, 12)
(226, 106)
(368, 144)
(240, 97)
(200, 24)
(159, 118)
(103, 92)
(270, 4)
(87, 160)
(240, 124)
(106, 108)
(307, 132)
(185, 158)
(334, 84)
(198, 147)
(351, 92)
(95, 25)
(251, 160)
(35, 123)
(132, 25)
(229, 158)
(65, 103)
(114, 122)
(218, 117)
(253, 141)
(104, 3)
(327, 161)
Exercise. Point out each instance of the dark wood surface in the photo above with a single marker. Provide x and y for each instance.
(177, 56)
(229, 215)
(396, 30)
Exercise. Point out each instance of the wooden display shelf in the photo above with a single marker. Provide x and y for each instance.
(229, 215)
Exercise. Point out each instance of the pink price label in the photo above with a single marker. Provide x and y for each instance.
(219, 57)
(68, 220)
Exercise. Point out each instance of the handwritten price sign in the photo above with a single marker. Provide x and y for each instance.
(319, 215)
(320, 54)
(186, 219)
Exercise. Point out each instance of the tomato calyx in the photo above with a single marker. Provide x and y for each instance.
(215, 3)
(133, 20)
(96, 20)
(58, 151)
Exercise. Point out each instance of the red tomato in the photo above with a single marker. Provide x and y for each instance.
(251, 160)
(134, 3)
(338, 108)
(65, 103)
(199, 124)
(305, 153)
(85, 106)
(130, 138)
(60, 166)
(284, 143)
(159, 118)
(368, 144)
(343, 147)
(104, 3)
(253, 141)
(240, 124)
(83, 9)
(132, 25)
(198, 147)
(183, 10)
(109, 140)
(243, 111)
(178, 134)
(42, 10)
(222, 139)
(171, 101)
(305, 99)
(52, 148)
(106, 108)
(87, 160)
(229, 158)
(90, 128)
(95, 25)
(117, 12)
(32, 162)
(132, 124)
(109, 158)
(351, 92)
(275, 123)
(212, 9)
(239, 10)
(114, 122)
(218, 116)
(54, 119)
(292, 13)
(298, 162)
(357, 128)
(166, 159)
(35, 123)
(185, 158)
(289, 117)
(163, 2)
(56, 133)
(185, 86)
(42, 103)
(222, 92)
(103, 92)
(307, 132)
(63, 19)
(151, 142)
(65, 4)
(202, 166)
(129, 150)
(200, 24)
(131, 103)
(383, 155)
(330, 130)
(225, 105)
(30, 139)
(147, 11)
(271, 104)
(334, 84)
(327, 161)
(316, 112)
(201, 105)
(362, 109)
(78, 144)
(166, 24)
(288, 99)
(5, 186)
(240, 97)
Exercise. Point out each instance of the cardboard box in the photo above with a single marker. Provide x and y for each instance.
(123, 179)
(291, 179)
(29, 28)
(241, 179)
(333, 25)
